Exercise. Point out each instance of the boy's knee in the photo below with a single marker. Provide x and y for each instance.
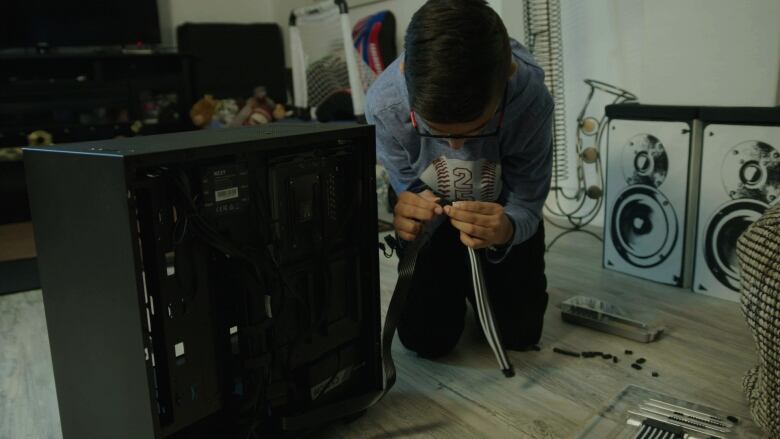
(525, 330)
(429, 342)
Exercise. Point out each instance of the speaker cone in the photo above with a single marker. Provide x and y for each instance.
(723, 230)
(752, 170)
(644, 226)
(645, 161)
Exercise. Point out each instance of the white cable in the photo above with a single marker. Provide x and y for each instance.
(484, 310)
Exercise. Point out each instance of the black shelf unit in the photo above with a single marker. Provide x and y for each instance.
(56, 93)
(77, 97)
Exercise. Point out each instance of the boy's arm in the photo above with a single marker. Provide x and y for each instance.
(526, 174)
(391, 154)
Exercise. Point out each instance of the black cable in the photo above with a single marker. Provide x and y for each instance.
(213, 238)
(196, 224)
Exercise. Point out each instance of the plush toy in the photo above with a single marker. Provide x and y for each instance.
(203, 111)
(213, 113)
(40, 138)
(259, 109)
(10, 154)
(279, 112)
(226, 111)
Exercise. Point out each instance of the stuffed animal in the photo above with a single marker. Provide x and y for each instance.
(259, 109)
(203, 111)
(10, 154)
(279, 112)
(213, 113)
(226, 111)
(40, 138)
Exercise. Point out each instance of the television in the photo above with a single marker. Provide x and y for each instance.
(218, 283)
(69, 23)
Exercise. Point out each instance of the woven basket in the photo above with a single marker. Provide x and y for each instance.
(758, 250)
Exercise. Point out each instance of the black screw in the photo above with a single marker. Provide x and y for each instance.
(565, 352)
(640, 361)
(636, 366)
(629, 352)
(655, 374)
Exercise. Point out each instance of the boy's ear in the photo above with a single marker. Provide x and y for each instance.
(402, 66)
(512, 68)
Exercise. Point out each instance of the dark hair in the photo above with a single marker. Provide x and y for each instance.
(457, 59)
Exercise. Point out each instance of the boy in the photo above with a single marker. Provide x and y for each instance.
(464, 114)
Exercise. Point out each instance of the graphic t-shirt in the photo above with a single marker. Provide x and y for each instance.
(512, 169)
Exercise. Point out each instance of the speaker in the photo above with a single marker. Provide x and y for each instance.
(647, 227)
(741, 156)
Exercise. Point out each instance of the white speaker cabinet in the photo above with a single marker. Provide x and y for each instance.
(650, 202)
(740, 178)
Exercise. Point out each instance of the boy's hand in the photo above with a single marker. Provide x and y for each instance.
(481, 224)
(411, 210)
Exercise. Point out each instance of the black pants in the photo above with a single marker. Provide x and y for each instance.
(434, 315)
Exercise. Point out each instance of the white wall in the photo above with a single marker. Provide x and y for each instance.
(511, 12)
(711, 52)
(602, 39)
(175, 12)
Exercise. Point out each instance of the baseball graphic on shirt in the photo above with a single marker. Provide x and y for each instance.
(477, 180)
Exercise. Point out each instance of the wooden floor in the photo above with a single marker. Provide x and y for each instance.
(703, 356)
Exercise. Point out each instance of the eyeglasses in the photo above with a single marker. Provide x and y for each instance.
(494, 133)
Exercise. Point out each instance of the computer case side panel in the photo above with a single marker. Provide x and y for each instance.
(88, 266)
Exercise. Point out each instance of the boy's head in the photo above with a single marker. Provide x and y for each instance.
(456, 65)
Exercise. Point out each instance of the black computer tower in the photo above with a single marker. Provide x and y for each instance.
(210, 283)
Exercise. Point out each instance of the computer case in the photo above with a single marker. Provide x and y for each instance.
(209, 283)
